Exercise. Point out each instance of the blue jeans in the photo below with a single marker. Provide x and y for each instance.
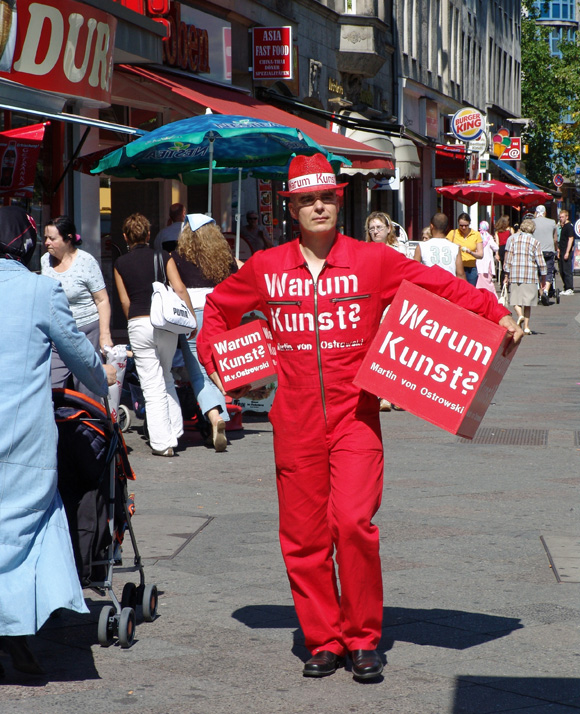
(471, 275)
(207, 394)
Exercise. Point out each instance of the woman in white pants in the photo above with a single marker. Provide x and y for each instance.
(153, 349)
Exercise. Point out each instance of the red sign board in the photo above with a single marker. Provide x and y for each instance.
(245, 355)
(19, 149)
(436, 360)
(65, 47)
(272, 52)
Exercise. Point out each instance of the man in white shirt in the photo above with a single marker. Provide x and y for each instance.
(440, 251)
(167, 237)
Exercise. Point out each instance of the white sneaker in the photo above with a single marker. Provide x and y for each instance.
(567, 292)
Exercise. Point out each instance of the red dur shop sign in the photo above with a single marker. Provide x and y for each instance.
(436, 360)
(272, 52)
(65, 47)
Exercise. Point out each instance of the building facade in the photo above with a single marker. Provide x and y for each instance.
(452, 54)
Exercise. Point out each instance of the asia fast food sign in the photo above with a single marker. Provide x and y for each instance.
(436, 360)
(272, 52)
(66, 47)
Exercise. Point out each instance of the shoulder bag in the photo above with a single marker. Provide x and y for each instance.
(168, 311)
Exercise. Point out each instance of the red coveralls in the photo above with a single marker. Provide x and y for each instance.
(327, 438)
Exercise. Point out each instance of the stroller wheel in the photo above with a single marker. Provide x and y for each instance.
(129, 596)
(150, 603)
(126, 627)
(106, 629)
(124, 418)
(557, 297)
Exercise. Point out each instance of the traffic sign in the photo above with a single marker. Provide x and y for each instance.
(577, 227)
(558, 180)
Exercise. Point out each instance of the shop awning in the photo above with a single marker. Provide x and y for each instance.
(406, 158)
(450, 162)
(513, 174)
(380, 142)
(15, 97)
(228, 101)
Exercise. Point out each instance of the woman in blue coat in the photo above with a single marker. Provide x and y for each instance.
(37, 568)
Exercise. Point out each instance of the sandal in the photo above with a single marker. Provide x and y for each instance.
(219, 439)
(520, 319)
(527, 331)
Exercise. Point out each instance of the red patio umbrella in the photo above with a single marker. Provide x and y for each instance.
(493, 192)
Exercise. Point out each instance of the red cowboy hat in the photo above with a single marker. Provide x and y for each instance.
(310, 173)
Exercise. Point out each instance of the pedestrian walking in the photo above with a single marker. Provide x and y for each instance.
(37, 567)
(324, 294)
(437, 250)
(203, 259)
(523, 255)
(486, 264)
(566, 253)
(84, 286)
(153, 349)
(470, 244)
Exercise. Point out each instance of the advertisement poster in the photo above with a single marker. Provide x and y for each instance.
(265, 195)
(272, 52)
(436, 360)
(19, 150)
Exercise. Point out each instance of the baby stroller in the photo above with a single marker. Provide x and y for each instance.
(93, 469)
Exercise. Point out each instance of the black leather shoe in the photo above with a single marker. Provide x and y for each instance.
(366, 664)
(322, 664)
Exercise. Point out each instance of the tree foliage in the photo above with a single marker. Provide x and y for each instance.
(551, 99)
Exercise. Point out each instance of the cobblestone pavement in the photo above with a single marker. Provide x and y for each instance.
(475, 619)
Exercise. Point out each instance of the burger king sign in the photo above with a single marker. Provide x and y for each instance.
(468, 124)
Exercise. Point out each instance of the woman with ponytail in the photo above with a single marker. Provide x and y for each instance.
(82, 281)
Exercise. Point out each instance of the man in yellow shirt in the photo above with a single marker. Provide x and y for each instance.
(470, 244)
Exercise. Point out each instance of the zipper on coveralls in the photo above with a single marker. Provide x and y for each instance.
(284, 302)
(350, 297)
(317, 333)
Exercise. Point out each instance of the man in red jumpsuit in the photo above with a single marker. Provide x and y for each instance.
(324, 295)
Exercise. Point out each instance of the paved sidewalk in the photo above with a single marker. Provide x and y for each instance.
(475, 618)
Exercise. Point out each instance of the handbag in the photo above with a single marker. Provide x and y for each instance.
(503, 297)
(168, 311)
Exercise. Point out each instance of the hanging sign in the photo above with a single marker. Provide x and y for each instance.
(19, 150)
(506, 147)
(468, 124)
(272, 52)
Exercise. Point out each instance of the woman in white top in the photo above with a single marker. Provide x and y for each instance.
(82, 281)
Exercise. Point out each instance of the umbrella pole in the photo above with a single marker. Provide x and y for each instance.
(239, 213)
(210, 179)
